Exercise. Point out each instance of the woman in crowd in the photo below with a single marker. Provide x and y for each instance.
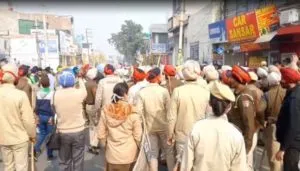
(68, 103)
(120, 131)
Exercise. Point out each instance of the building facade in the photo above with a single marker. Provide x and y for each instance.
(197, 16)
(255, 31)
(34, 39)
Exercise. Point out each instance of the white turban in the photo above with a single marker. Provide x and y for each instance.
(208, 68)
(191, 70)
(262, 73)
(274, 78)
(212, 75)
(273, 68)
(226, 67)
(7, 77)
(92, 73)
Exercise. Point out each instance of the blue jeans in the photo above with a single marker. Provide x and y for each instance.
(45, 129)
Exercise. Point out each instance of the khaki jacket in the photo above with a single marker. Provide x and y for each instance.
(153, 102)
(120, 131)
(172, 83)
(275, 98)
(243, 114)
(214, 145)
(24, 84)
(17, 122)
(105, 90)
(188, 105)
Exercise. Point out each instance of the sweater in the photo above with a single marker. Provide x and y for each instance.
(68, 104)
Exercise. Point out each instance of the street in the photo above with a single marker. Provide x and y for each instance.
(96, 162)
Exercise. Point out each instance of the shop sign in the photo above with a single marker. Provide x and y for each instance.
(255, 61)
(248, 47)
(267, 19)
(217, 31)
(242, 27)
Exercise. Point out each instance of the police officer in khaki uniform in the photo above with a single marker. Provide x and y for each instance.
(243, 112)
(171, 81)
(275, 97)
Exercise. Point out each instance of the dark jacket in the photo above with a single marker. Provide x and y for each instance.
(44, 103)
(288, 123)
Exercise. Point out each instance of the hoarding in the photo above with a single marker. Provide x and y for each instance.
(242, 28)
(267, 19)
(217, 31)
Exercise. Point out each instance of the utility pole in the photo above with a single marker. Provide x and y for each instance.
(45, 40)
(88, 35)
(180, 56)
(37, 44)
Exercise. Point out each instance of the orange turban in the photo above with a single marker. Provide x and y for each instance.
(169, 70)
(138, 75)
(290, 75)
(240, 74)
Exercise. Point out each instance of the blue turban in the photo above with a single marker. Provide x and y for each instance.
(75, 70)
(100, 68)
(67, 79)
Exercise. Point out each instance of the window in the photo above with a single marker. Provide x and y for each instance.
(25, 26)
(194, 51)
(163, 38)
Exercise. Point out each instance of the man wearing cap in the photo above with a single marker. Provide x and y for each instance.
(243, 112)
(105, 87)
(152, 104)
(17, 123)
(189, 103)
(274, 96)
(171, 81)
(287, 126)
(138, 78)
(215, 144)
(91, 88)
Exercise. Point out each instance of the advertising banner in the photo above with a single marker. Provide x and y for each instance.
(217, 31)
(267, 19)
(242, 28)
(255, 61)
(248, 47)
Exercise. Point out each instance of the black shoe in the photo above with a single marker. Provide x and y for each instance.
(93, 150)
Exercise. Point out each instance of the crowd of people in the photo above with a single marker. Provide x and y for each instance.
(189, 117)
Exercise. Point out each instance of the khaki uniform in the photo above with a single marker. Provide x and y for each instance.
(172, 83)
(243, 115)
(153, 103)
(105, 90)
(25, 85)
(214, 144)
(17, 124)
(275, 98)
(188, 105)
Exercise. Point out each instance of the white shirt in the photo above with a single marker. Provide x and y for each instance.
(52, 81)
(133, 90)
(214, 145)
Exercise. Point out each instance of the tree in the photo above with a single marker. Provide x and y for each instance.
(129, 40)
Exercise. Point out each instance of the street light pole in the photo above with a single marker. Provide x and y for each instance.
(180, 47)
(87, 41)
(37, 44)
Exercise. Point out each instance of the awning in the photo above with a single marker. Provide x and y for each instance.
(289, 30)
(266, 38)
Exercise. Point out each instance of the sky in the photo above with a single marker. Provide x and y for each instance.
(103, 18)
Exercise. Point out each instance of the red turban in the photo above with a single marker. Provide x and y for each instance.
(109, 69)
(240, 74)
(138, 75)
(290, 75)
(169, 70)
(153, 75)
(225, 76)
